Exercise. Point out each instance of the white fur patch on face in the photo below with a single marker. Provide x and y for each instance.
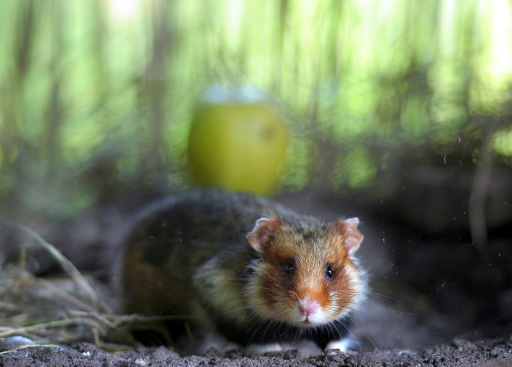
(309, 313)
(358, 284)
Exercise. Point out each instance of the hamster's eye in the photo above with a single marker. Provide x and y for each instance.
(329, 272)
(289, 267)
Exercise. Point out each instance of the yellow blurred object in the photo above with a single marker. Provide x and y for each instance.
(236, 143)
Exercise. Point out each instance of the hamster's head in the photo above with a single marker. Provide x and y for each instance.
(306, 274)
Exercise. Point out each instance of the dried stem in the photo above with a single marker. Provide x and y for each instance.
(479, 190)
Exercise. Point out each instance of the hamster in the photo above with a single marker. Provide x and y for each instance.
(245, 267)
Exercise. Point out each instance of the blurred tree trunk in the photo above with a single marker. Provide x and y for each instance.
(54, 113)
(284, 9)
(326, 79)
(155, 81)
(101, 30)
(12, 138)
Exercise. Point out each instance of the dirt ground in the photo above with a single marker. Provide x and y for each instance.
(490, 353)
(436, 300)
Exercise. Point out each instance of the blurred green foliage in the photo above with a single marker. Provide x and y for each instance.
(97, 96)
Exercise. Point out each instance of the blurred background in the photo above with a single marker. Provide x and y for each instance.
(98, 95)
(399, 110)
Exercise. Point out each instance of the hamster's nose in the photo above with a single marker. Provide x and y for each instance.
(307, 307)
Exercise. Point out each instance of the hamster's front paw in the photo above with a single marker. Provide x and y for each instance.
(345, 345)
(263, 348)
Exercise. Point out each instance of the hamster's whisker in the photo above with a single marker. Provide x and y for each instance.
(333, 328)
(362, 309)
(352, 334)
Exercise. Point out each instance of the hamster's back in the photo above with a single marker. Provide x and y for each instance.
(174, 236)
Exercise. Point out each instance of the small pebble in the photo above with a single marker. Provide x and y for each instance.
(14, 342)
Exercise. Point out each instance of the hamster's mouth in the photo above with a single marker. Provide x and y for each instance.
(311, 321)
(307, 322)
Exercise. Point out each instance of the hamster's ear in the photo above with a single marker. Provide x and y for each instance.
(264, 232)
(352, 238)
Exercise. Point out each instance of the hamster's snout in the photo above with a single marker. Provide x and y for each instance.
(308, 307)
(310, 312)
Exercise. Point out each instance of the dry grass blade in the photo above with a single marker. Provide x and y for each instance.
(29, 346)
(101, 319)
(66, 265)
(76, 302)
(49, 312)
(63, 310)
(49, 325)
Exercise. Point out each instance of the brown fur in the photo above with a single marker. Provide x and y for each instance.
(236, 262)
